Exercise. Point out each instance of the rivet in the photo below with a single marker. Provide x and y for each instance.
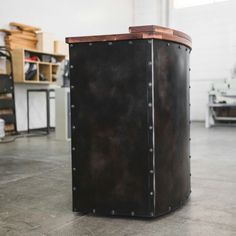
(110, 43)
(150, 150)
(186, 49)
(74, 188)
(130, 42)
(113, 212)
(190, 156)
(10, 77)
(74, 169)
(149, 63)
(71, 45)
(73, 127)
(94, 211)
(169, 208)
(150, 104)
(90, 44)
(151, 171)
(72, 106)
(71, 66)
(190, 174)
(150, 127)
(150, 41)
(151, 214)
(72, 86)
(73, 149)
(189, 86)
(179, 47)
(150, 84)
(168, 44)
(132, 213)
(189, 69)
(189, 139)
(151, 193)
(190, 104)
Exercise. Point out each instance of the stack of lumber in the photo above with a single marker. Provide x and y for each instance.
(21, 36)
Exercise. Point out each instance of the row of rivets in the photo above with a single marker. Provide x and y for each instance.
(179, 46)
(132, 213)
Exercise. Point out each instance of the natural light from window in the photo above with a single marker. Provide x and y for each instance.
(192, 3)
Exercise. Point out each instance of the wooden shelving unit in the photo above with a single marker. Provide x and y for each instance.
(46, 70)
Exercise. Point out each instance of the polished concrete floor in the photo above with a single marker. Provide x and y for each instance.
(35, 191)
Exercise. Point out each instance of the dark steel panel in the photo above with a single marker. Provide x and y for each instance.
(9, 119)
(110, 144)
(172, 125)
(68, 116)
(6, 103)
(6, 85)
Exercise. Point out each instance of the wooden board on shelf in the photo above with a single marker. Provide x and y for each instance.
(24, 27)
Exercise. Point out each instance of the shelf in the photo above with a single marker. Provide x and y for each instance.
(46, 71)
(30, 61)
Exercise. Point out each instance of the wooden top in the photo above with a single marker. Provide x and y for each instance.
(139, 32)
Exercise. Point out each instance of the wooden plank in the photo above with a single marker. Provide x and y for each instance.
(6, 96)
(17, 37)
(6, 111)
(24, 27)
(158, 29)
(18, 65)
(9, 127)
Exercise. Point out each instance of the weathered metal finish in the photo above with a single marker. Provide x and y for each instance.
(130, 127)
(172, 125)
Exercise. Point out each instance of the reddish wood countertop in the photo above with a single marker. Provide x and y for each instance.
(139, 32)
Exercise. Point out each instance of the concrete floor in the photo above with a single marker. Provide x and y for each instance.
(35, 191)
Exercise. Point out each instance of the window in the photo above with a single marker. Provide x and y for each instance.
(192, 3)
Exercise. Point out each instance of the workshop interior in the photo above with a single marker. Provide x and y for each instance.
(118, 117)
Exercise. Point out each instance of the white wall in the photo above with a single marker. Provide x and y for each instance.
(213, 30)
(151, 12)
(62, 18)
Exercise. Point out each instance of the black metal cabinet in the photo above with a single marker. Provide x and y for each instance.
(130, 126)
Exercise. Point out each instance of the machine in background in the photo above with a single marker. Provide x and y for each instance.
(221, 107)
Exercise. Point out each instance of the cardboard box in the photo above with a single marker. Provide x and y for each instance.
(61, 48)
